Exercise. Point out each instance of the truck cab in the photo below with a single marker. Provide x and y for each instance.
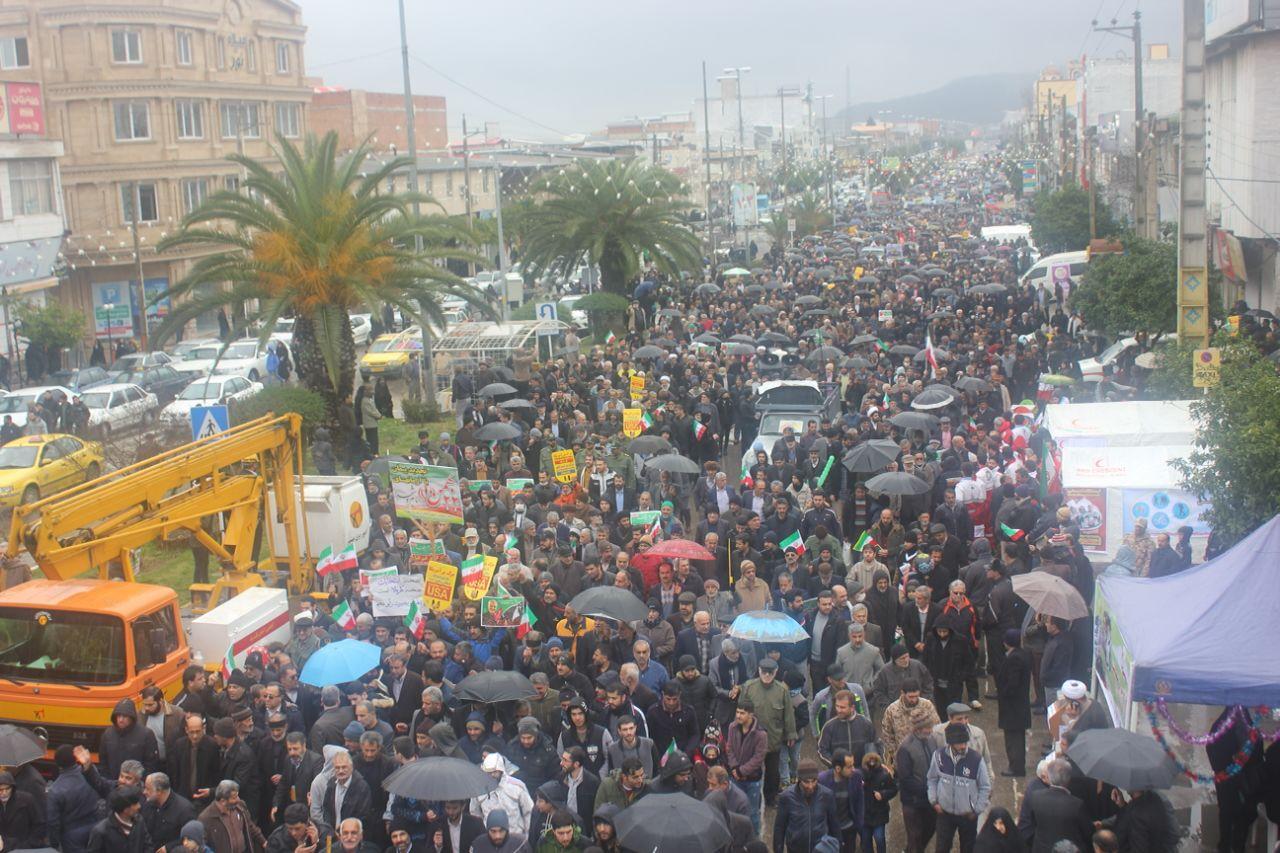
(70, 650)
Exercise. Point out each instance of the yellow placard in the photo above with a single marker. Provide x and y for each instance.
(1205, 367)
(858, 272)
(637, 387)
(565, 466)
(437, 587)
(632, 422)
(476, 589)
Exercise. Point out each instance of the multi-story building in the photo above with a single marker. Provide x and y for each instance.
(148, 99)
(356, 116)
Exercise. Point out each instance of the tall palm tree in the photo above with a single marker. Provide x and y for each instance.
(610, 213)
(315, 242)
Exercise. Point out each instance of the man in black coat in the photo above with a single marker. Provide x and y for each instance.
(238, 763)
(328, 727)
(21, 821)
(300, 769)
(122, 830)
(194, 763)
(125, 740)
(829, 630)
(164, 812)
(1013, 692)
(356, 798)
(1055, 662)
(916, 618)
(1053, 814)
(581, 783)
(456, 816)
(405, 688)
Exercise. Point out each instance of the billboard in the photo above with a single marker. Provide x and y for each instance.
(21, 109)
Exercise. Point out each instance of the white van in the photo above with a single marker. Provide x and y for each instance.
(1038, 275)
(1008, 233)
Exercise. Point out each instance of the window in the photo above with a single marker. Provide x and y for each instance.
(222, 53)
(484, 180)
(251, 55)
(194, 191)
(240, 118)
(64, 646)
(448, 184)
(185, 51)
(282, 57)
(146, 198)
(133, 120)
(190, 119)
(231, 183)
(288, 119)
(13, 52)
(126, 46)
(31, 186)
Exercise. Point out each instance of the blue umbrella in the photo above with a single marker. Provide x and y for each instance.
(345, 660)
(767, 626)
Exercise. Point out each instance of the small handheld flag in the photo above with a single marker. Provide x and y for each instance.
(527, 623)
(647, 420)
(228, 663)
(415, 620)
(344, 617)
(863, 541)
(610, 338)
(793, 541)
(1013, 533)
(330, 562)
(699, 430)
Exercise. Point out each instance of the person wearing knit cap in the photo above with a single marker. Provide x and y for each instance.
(192, 837)
(498, 837)
(1013, 694)
(533, 752)
(959, 788)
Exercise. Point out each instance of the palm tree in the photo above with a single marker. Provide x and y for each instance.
(314, 242)
(610, 213)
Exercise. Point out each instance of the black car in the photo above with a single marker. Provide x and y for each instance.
(78, 379)
(162, 380)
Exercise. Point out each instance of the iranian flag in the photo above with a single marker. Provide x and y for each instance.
(526, 624)
(793, 541)
(671, 750)
(416, 620)
(863, 541)
(344, 617)
(881, 345)
(656, 530)
(647, 420)
(930, 355)
(1013, 533)
(610, 338)
(699, 430)
(512, 541)
(472, 570)
(330, 562)
(228, 663)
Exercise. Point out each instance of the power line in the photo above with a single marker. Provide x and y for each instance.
(485, 98)
(350, 59)
(1234, 204)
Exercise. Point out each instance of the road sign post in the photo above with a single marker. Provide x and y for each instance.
(208, 421)
(1205, 367)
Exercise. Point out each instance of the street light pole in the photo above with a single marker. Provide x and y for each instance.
(428, 363)
(137, 260)
(827, 159)
(706, 150)
(502, 243)
(1134, 34)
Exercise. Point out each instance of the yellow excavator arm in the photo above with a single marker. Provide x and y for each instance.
(97, 525)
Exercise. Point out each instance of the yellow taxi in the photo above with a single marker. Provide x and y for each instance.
(388, 354)
(36, 466)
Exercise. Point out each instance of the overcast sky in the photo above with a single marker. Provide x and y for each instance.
(570, 66)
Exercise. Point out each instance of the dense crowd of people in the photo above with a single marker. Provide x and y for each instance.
(905, 596)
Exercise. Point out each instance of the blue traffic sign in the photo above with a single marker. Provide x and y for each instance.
(208, 421)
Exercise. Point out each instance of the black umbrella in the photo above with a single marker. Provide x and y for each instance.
(816, 312)
(903, 349)
(753, 289)
(856, 362)
(774, 285)
(869, 279)
(1260, 313)
(611, 603)
(19, 746)
(496, 686)
(809, 299)
(517, 403)
(671, 823)
(438, 778)
(663, 342)
(743, 339)
(737, 348)
(932, 398)
(649, 351)
(707, 289)
(870, 456)
(670, 312)
(974, 384)
(773, 338)
(496, 432)
(864, 293)
(898, 483)
(909, 279)
(707, 338)
(942, 291)
(494, 389)
(989, 289)
(826, 353)
(1122, 758)
(503, 372)
(944, 314)
(648, 444)
(939, 354)
(675, 463)
(914, 420)
(864, 339)
(763, 310)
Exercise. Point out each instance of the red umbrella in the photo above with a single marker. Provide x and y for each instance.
(681, 548)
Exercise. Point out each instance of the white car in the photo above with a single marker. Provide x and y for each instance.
(208, 391)
(283, 330)
(181, 348)
(1092, 369)
(241, 358)
(15, 403)
(361, 329)
(119, 407)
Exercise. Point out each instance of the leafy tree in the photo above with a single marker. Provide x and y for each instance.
(1236, 461)
(1060, 222)
(53, 326)
(314, 243)
(1130, 292)
(810, 214)
(605, 311)
(609, 213)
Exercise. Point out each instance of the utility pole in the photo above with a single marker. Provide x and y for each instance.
(1134, 33)
(1193, 250)
(428, 361)
(502, 243)
(735, 74)
(782, 135)
(827, 164)
(706, 148)
(1093, 193)
(137, 260)
(466, 182)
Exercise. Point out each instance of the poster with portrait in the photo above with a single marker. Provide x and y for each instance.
(1112, 661)
(501, 611)
(426, 492)
(1089, 513)
(1165, 510)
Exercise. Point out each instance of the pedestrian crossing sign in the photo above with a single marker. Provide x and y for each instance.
(207, 421)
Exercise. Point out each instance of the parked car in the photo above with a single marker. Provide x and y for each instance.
(181, 348)
(115, 408)
(136, 360)
(389, 354)
(81, 378)
(244, 357)
(16, 403)
(1093, 369)
(36, 466)
(283, 330)
(361, 328)
(208, 391)
(163, 381)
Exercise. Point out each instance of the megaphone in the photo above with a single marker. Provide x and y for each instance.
(768, 359)
(791, 359)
